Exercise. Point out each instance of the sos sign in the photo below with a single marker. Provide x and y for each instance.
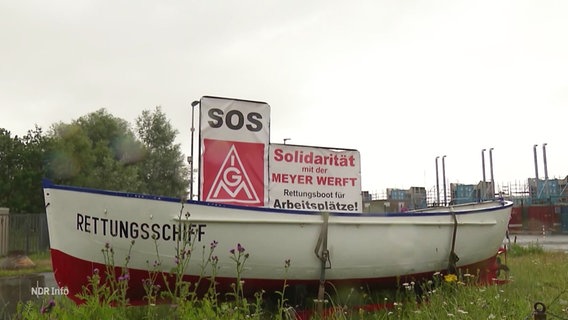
(235, 120)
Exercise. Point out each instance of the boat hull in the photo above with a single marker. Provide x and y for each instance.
(74, 279)
(364, 249)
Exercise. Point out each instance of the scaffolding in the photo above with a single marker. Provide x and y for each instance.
(522, 193)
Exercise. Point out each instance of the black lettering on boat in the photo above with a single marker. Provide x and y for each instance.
(80, 220)
(124, 229)
(176, 232)
(200, 231)
(113, 231)
(166, 234)
(156, 231)
(95, 222)
(144, 229)
(134, 230)
(104, 226)
(182, 232)
(87, 224)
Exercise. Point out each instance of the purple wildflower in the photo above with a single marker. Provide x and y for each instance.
(240, 248)
(214, 244)
(124, 277)
(47, 308)
(232, 251)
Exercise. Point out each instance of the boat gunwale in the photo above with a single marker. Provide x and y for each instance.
(47, 184)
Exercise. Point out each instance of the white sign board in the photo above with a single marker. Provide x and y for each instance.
(234, 138)
(313, 178)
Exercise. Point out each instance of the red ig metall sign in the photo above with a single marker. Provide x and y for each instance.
(234, 139)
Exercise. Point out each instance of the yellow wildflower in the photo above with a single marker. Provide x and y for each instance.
(451, 277)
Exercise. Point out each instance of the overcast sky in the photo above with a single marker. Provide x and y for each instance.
(401, 81)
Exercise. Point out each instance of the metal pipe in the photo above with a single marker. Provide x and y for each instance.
(437, 184)
(444, 179)
(544, 161)
(483, 163)
(190, 158)
(491, 172)
(535, 164)
(483, 172)
(545, 168)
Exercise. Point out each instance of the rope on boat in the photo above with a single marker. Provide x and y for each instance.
(453, 258)
(322, 253)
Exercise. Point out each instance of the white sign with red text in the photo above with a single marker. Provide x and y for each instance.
(313, 178)
(234, 139)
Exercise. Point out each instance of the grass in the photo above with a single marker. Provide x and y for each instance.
(535, 276)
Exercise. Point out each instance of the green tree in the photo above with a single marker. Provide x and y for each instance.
(101, 151)
(9, 148)
(164, 171)
(97, 150)
(22, 166)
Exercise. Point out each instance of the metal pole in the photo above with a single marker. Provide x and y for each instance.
(193, 105)
(444, 179)
(535, 164)
(545, 168)
(483, 169)
(491, 172)
(536, 170)
(437, 184)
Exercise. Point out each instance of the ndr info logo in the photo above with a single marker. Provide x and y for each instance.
(49, 291)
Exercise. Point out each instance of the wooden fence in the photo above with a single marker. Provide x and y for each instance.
(23, 232)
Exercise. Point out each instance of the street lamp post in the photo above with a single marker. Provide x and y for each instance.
(444, 179)
(491, 172)
(190, 158)
(437, 184)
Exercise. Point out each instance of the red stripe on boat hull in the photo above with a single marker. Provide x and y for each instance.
(73, 273)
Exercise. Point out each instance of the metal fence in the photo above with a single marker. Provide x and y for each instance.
(25, 233)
